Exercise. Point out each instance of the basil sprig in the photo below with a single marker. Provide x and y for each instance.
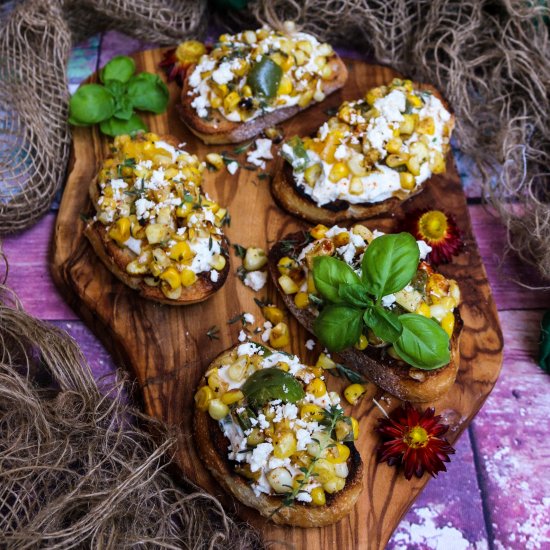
(264, 78)
(111, 104)
(352, 302)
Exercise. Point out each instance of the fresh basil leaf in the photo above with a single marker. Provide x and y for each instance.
(91, 104)
(354, 294)
(124, 108)
(329, 274)
(272, 383)
(264, 78)
(116, 127)
(338, 327)
(389, 263)
(148, 92)
(297, 156)
(423, 343)
(117, 88)
(120, 68)
(544, 351)
(384, 323)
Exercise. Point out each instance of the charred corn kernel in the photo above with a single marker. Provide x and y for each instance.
(325, 362)
(285, 86)
(406, 126)
(316, 371)
(311, 283)
(184, 209)
(415, 101)
(318, 497)
(300, 57)
(306, 98)
(374, 94)
(355, 427)
(283, 366)
(288, 285)
(278, 57)
(218, 262)
(323, 470)
(305, 46)
(344, 113)
(255, 437)
(423, 309)
(338, 454)
(217, 409)
(394, 145)
(364, 232)
(172, 277)
(317, 387)
(215, 160)
(285, 265)
(273, 314)
(120, 230)
(413, 166)
(284, 444)
(254, 259)
(247, 91)
(230, 101)
(426, 126)
(342, 429)
(203, 397)
(220, 214)
(354, 392)
(238, 369)
(311, 413)
(397, 159)
(288, 62)
(214, 381)
(232, 396)
(156, 269)
(279, 336)
(407, 180)
(188, 277)
(437, 162)
(190, 51)
(419, 150)
(339, 171)
(301, 300)
(437, 285)
(181, 251)
(312, 174)
(215, 101)
(319, 231)
(136, 268)
(448, 323)
(334, 485)
(280, 480)
(362, 343)
(156, 233)
(341, 239)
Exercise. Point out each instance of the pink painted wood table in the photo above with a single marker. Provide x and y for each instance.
(496, 494)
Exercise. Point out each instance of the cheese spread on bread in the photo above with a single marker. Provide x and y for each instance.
(150, 201)
(386, 144)
(221, 80)
(282, 445)
(429, 293)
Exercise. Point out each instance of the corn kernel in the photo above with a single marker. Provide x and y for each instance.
(247, 91)
(419, 150)
(426, 126)
(325, 362)
(288, 285)
(156, 233)
(311, 283)
(448, 323)
(231, 101)
(285, 86)
(279, 336)
(300, 57)
(172, 277)
(354, 392)
(306, 98)
(424, 309)
(217, 409)
(285, 265)
(215, 160)
(397, 159)
(273, 314)
(312, 173)
(413, 166)
(362, 343)
(184, 209)
(136, 268)
(394, 145)
(232, 396)
(214, 381)
(437, 163)
(355, 428)
(318, 497)
(319, 231)
(250, 37)
(415, 101)
(284, 444)
(408, 123)
(254, 259)
(374, 94)
(317, 387)
(341, 239)
(407, 180)
(120, 230)
(203, 397)
(338, 454)
(215, 101)
(181, 252)
(454, 291)
(334, 485)
(311, 413)
(342, 430)
(301, 300)
(324, 470)
(255, 437)
(283, 366)
(326, 72)
(218, 262)
(188, 277)
(339, 171)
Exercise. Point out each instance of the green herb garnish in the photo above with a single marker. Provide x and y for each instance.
(272, 383)
(264, 78)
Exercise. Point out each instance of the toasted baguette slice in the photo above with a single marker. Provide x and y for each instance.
(218, 129)
(212, 447)
(116, 259)
(298, 203)
(392, 375)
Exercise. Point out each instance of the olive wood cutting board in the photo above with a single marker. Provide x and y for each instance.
(167, 348)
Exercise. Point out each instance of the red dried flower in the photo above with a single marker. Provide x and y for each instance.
(439, 230)
(413, 440)
(177, 60)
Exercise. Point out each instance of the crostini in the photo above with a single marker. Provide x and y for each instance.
(400, 328)
(275, 438)
(374, 154)
(154, 229)
(256, 79)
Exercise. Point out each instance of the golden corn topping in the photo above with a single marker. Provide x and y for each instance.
(151, 204)
(429, 293)
(384, 145)
(254, 72)
(287, 432)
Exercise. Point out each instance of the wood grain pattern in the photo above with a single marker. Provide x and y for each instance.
(168, 350)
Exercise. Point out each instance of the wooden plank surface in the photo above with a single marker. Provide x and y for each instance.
(168, 348)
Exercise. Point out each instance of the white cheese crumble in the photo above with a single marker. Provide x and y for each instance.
(310, 345)
(256, 280)
(424, 249)
(232, 167)
(242, 336)
(249, 318)
(258, 156)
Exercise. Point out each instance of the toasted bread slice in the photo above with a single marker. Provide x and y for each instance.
(116, 258)
(218, 130)
(298, 203)
(212, 446)
(392, 375)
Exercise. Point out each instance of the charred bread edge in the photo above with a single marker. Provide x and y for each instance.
(386, 372)
(213, 451)
(300, 204)
(225, 131)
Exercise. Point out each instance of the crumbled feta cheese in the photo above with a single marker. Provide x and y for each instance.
(200, 104)
(256, 280)
(262, 152)
(310, 344)
(248, 318)
(142, 208)
(232, 167)
(259, 457)
(223, 74)
(242, 336)
(424, 249)
(388, 300)
(214, 276)
(134, 245)
(249, 349)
